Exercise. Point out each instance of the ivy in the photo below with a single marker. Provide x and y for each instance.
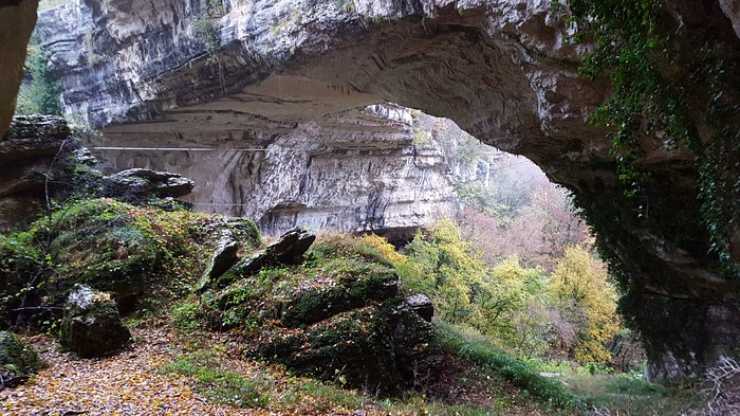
(636, 46)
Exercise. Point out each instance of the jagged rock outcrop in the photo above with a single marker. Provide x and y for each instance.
(382, 169)
(502, 69)
(140, 184)
(17, 20)
(38, 155)
(340, 315)
(288, 250)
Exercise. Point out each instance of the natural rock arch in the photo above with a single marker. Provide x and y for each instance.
(151, 72)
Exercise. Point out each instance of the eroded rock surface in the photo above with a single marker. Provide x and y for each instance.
(44, 161)
(500, 68)
(141, 184)
(384, 169)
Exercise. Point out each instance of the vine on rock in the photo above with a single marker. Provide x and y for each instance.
(662, 89)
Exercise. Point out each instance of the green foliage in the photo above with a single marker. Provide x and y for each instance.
(111, 246)
(186, 315)
(16, 358)
(503, 303)
(41, 95)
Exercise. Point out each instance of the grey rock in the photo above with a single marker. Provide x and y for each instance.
(381, 169)
(37, 155)
(224, 257)
(422, 305)
(141, 184)
(91, 326)
(288, 250)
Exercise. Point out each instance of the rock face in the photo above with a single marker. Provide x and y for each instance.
(17, 19)
(91, 326)
(45, 161)
(501, 69)
(381, 169)
(17, 360)
(36, 153)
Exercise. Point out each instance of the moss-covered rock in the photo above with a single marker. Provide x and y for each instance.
(341, 315)
(380, 347)
(108, 245)
(17, 360)
(92, 326)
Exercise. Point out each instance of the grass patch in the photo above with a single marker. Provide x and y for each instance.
(220, 385)
(630, 394)
(187, 315)
(480, 351)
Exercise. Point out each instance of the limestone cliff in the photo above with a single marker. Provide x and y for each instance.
(378, 169)
(201, 72)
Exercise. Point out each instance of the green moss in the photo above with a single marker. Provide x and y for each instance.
(17, 360)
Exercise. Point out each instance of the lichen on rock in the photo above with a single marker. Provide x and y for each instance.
(91, 326)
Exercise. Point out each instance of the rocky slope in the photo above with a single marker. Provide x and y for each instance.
(378, 169)
(170, 71)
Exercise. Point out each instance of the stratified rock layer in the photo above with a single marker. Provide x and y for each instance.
(382, 169)
(502, 69)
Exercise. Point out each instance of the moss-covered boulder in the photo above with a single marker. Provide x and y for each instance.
(92, 326)
(341, 315)
(129, 251)
(17, 360)
(380, 347)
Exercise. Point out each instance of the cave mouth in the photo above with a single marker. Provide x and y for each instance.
(504, 73)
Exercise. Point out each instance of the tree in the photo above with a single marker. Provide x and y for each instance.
(584, 295)
(41, 94)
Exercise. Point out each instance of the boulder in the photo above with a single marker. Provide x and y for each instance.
(91, 326)
(290, 248)
(141, 184)
(422, 305)
(17, 360)
(224, 257)
(382, 348)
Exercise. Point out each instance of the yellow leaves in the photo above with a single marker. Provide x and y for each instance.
(582, 282)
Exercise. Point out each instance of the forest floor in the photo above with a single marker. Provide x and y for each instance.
(170, 372)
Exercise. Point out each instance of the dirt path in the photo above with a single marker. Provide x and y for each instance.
(126, 384)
